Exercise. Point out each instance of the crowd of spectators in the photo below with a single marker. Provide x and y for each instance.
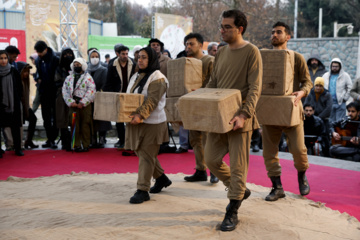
(65, 86)
(324, 108)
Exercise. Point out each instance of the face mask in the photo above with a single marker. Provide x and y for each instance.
(77, 69)
(94, 61)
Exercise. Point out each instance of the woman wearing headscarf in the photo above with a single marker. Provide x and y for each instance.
(78, 92)
(62, 110)
(10, 100)
(98, 73)
(148, 129)
(28, 114)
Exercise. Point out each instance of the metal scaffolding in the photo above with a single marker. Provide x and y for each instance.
(69, 25)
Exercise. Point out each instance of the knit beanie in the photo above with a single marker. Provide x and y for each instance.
(319, 81)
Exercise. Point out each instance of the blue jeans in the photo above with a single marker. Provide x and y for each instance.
(338, 112)
(184, 138)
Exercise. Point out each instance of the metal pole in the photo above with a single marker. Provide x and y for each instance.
(295, 19)
(153, 26)
(320, 22)
(358, 60)
(335, 29)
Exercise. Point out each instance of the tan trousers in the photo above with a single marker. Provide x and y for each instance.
(295, 139)
(197, 141)
(237, 144)
(149, 165)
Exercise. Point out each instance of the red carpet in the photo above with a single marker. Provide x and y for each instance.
(339, 189)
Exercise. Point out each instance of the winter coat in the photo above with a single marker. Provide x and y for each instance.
(323, 105)
(355, 90)
(46, 68)
(114, 81)
(12, 119)
(84, 89)
(321, 68)
(314, 126)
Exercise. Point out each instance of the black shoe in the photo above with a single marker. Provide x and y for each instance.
(277, 190)
(181, 150)
(197, 176)
(1, 154)
(213, 178)
(256, 148)
(53, 146)
(102, 142)
(140, 197)
(118, 144)
(46, 145)
(66, 147)
(304, 186)
(2, 151)
(160, 183)
(231, 217)
(30, 144)
(19, 153)
(86, 149)
(78, 149)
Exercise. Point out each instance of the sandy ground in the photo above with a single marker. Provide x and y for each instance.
(83, 206)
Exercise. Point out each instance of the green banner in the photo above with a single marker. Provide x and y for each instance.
(104, 42)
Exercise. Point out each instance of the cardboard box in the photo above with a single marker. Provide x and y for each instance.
(209, 109)
(278, 111)
(278, 72)
(184, 75)
(116, 107)
(171, 110)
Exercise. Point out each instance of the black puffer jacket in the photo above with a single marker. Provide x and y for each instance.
(314, 126)
(323, 105)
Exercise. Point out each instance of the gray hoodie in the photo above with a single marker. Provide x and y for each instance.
(343, 83)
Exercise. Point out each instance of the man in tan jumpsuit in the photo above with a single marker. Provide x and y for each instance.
(295, 135)
(194, 43)
(237, 65)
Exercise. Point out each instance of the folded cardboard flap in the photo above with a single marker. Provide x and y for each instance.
(278, 72)
(116, 107)
(278, 111)
(184, 75)
(209, 109)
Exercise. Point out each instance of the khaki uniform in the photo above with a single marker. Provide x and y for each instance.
(148, 138)
(145, 139)
(295, 135)
(235, 69)
(197, 138)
